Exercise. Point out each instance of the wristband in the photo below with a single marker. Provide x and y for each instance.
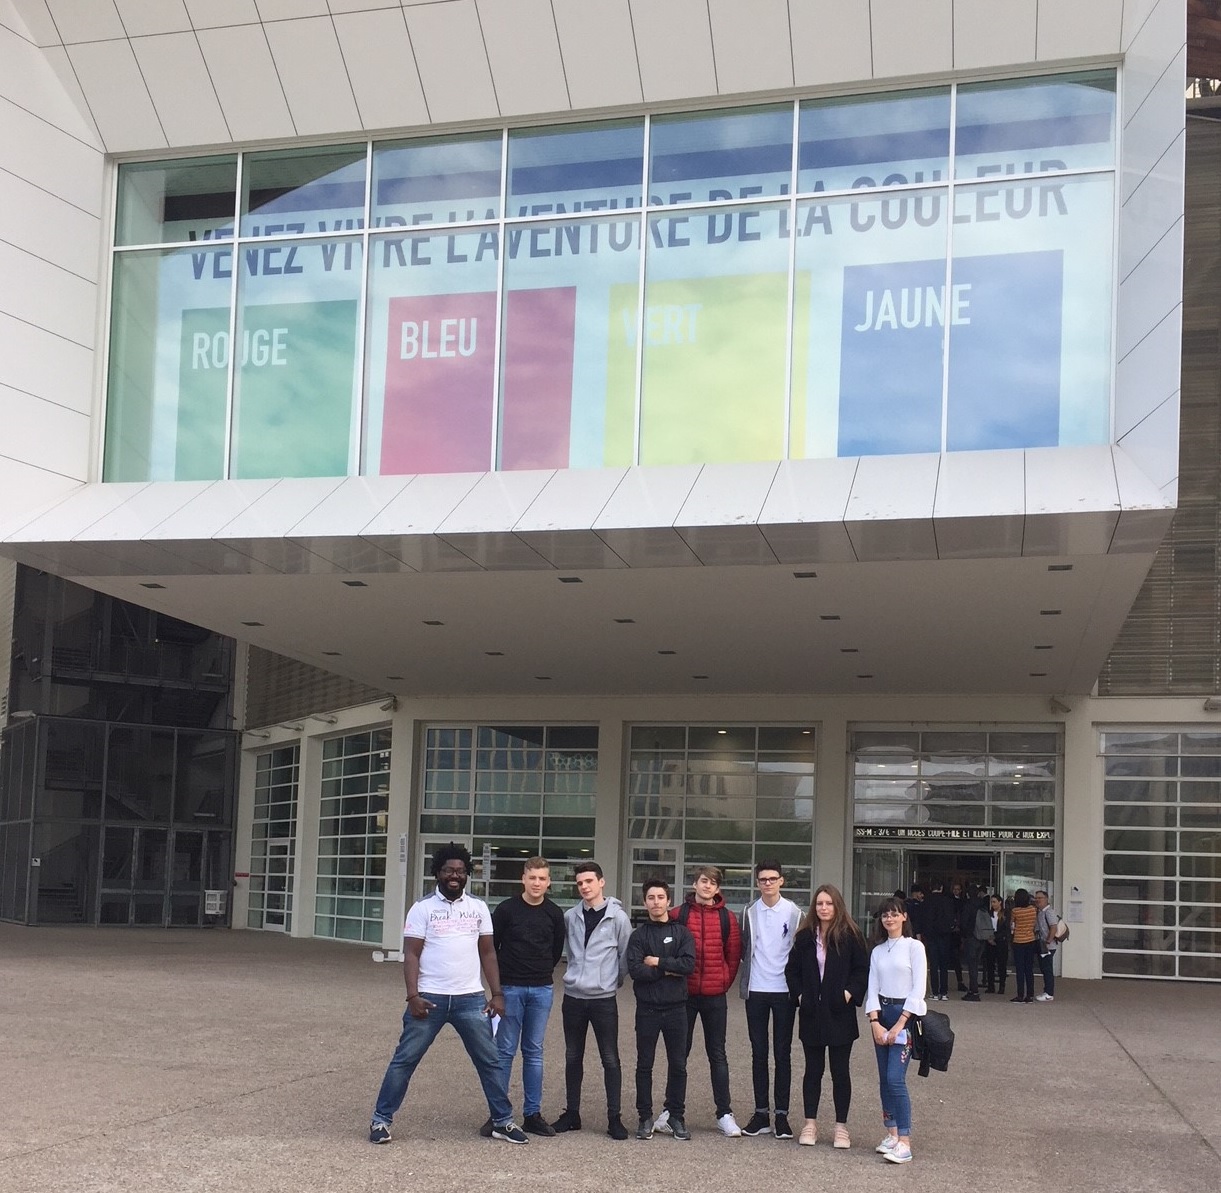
(411, 996)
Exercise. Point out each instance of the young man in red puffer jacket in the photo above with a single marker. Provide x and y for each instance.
(718, 951)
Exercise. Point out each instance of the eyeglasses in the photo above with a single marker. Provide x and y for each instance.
(768, 878)
(452, 872)
(890, 915)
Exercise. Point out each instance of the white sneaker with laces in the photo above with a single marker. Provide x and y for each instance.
(729, 1126)
(661, 1124)
(899, 1154)
(887, 1145)
(1045, 998)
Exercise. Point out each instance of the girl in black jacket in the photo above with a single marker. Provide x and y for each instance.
(828, 969)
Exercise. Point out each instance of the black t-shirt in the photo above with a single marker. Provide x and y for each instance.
(529, 941)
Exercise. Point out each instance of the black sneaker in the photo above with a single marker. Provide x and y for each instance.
(379, 1133)
(566, 1122)
(645, 1130)
(759, 1124)
(783, 1130)
(679, 1128)
(615, 1128)
(510, 1132)
(535, 1124)
(486, 1130)
(970, 998)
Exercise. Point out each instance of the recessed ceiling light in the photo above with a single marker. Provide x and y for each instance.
(625, 621)
(542, 677)
(150, 584)
(571, 580)
(805, 575)
(849, 650)
(252, 623)
(1049, 612)
(434, 623)
(494, 654)
(394, 677)
(1044, 646)
(1038, 675)
(355, 584)
(1059, 567)
(806, 732)
(864, 677)
(667, 652)
(699, 677)
(722, 732)
(332, 653)
(828, 617)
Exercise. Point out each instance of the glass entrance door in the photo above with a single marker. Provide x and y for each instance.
(133, 886)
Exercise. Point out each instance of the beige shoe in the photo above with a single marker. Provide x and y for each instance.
(809, 1133)
(842, 1138)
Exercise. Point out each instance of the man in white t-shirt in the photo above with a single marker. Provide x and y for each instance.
(768, 927)
(447, 942)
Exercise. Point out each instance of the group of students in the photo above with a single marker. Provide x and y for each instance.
(967, 927)
(813, 969)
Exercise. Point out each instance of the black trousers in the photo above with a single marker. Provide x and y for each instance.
(971, 949)
(714, 1011)
(841, 1078)
(996, 961)
(669, 1022)
(602, 1014)
(780, 1010)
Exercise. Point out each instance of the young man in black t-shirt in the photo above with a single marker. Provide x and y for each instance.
(528, 931)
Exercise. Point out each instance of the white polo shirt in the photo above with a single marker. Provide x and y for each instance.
(449, 962)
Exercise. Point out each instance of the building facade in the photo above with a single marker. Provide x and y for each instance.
(754, 452)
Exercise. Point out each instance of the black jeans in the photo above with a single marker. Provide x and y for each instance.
(1023, 969)
(579, 1014)
(971, 950)
(714, 1011)
(940, 956)
(996, 962)
(779, 1008)
(841, 1078)
(670, 1022)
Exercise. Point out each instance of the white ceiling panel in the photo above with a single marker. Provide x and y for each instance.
(751, 45)
(498, 500)
(890, 510)
(244, 76)
(59, 301)
(37, 19)
(350, 506)
(498, 552)
(452, 61)
(990, 34)
(67, 519)
(674, 49)
(313, 75)
(46, 365)
(803, 516)
(912, 39)
(979, 511)
(118, 97)
(648, 497)
(143, 18)
(570, 550)
(422, 505)
(338, 6)
(1142, 379)
(1080, 28)
(423, 553)
(274, 513)
(147, 505)
(177, 78)
(213, 14)
(381, 68)
(727, 495)
(49, 228)
(572, 499)
(599, 52)
(31, 84)
(1153, 443)
(831, 42)
(524, 52)
(85, 20)
(209, 510)
(727, 546)
(76, 118)
(1072, 501)
(287, 10)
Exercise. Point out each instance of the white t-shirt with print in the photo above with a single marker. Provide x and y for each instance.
(449, 962)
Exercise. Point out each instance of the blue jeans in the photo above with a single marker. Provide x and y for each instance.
(524, 1021)
(892, 1074)
(1023, 969)
(465, 1012)
(1047, 963)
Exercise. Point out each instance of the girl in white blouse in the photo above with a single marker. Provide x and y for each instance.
(898, 973)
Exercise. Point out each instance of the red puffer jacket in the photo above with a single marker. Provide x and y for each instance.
(716, 961)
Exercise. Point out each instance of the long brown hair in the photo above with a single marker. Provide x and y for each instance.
(842, 927)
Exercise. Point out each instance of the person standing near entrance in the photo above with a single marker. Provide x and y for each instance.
(660, 957)
(447, 940)
(1045, 943)
(1022, 924)
(939, 921)
(528, 931)
(718, 953)
(769, 925)
(597, 931)
(996, 950)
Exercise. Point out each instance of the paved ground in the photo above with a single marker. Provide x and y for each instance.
(235, 1061)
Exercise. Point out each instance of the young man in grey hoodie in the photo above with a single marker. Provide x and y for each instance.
(597, 931)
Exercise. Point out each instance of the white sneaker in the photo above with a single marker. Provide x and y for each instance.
(887, 1145)
(729, 1126)
(661, 1124)
(899, 1154)
(1045, 998)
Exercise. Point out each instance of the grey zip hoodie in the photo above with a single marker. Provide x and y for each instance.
(598, 969)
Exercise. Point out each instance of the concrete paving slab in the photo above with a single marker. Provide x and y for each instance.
(187, 1062)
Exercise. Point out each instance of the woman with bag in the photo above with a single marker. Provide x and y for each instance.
(827, 969)
(898, 972)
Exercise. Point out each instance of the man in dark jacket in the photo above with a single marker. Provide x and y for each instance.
(660, 956)
(940, 919)
(718, 953)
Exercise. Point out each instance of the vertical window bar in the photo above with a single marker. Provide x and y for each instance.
(795, 149)
(640, 290)
(947, 301)
(503, 233)
(108, 298)
(356, 451)
(227, 463)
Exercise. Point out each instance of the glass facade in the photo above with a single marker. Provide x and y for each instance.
(522, 791)
(923, 271)
(350, 891)
(1161, 885)
(273, 844)
(728, 796)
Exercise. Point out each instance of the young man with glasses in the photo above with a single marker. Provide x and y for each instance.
(447, 941)
(768, 927)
